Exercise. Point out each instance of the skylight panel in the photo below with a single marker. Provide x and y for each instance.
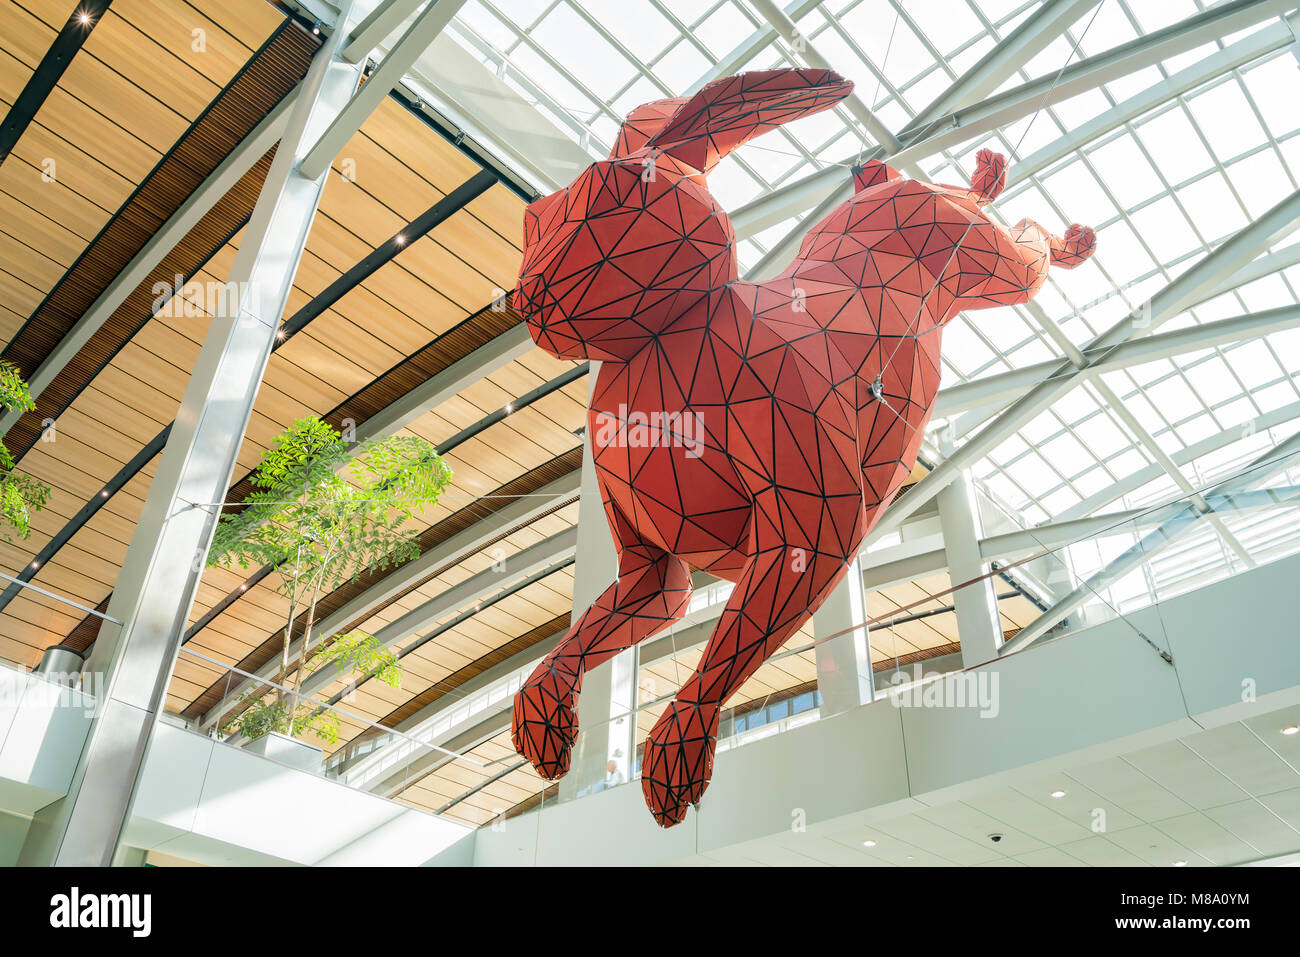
(1058, 501)
(1102, 436)
(1213, 381)
(688, 11)
(771, 158)
(641, 91)
(870, 23)
(1173, 144)
(1155, 16)
(842, 146)
(1068, 455)
(681, 65)
(840, 54)
(1226, 120)
(487, 25)
(732, 186)
(1075, 405)
(1035, 476)
(1030, 133)
(1048, 61)
(908, 55)
(1030, 353)
(1197, 428)
(1009, 449)
(1165, 229)
(1189, 57)
(636, 24)
(1125, 171)
(1003, 327)
(1084, 283)
(1287, 346)
(947, 23)
(1126, 463)
(723, 29)
(1272, 87)
(971, 55)
(928, 88)
(1269, 292)
(523, 13)
(1240, 411)
(963, 348)
(1137, 404)
(569, 39)
(1131, 84)
(1107, 28)
(1173, 394)
(1259, 180)
(1006, 490)
(1212, 207)
(1290, 149)
(1092, 481)
(1041, 427)
(997, 10)
(1078, 109)
(1126, 258)
(1254, 363)
(1052, 303)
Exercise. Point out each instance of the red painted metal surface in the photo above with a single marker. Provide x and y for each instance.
(753, 430)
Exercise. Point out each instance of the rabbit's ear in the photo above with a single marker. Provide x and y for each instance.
(735, 109)
(642, 123)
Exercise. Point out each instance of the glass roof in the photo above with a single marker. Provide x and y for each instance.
(1162, 190)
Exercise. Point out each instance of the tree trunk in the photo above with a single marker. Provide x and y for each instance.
(306, 635)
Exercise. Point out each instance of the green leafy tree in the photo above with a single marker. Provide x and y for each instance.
(325, 512)
(20, 495)
(360, 654)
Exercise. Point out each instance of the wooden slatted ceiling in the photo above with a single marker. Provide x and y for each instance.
(470, 646)
(121, 105)
(453, 654)
(774, 681)
(259, 607)
(454, 781)
(145, 380)
(251, 622)
(253, 609)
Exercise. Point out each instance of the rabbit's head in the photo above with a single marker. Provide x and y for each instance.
(637, 240)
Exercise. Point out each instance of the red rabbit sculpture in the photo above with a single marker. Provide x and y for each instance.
(752, 430)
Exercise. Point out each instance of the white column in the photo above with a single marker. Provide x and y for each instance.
(844, 675)
(979, 627)
(155, 590)
(608, 696)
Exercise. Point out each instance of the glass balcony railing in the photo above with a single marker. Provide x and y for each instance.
(459, 760)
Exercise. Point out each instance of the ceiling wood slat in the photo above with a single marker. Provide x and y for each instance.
(270, 74)
(48, 73)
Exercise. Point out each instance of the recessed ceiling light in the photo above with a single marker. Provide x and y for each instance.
(1180, 863)
(1058, 793)
(1291, 729)
(868, 843)
(83, 17)
(400, 239)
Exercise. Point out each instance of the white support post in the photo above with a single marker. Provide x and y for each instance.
(979, 626)
(608, 693)
(166, 558)
(843, 649)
